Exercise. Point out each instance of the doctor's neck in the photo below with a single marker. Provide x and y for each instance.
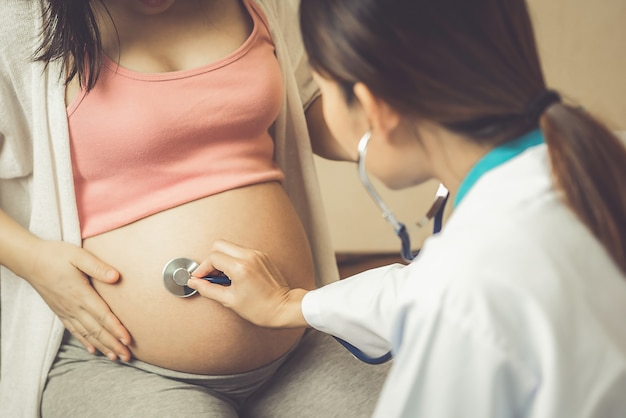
(452, 156)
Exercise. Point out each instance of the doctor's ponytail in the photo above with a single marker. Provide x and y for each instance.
(473, 68)
(589, 166)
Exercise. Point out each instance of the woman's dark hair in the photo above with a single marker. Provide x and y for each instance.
(473, 68)
(70, 34)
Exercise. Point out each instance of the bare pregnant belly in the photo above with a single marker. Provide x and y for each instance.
(195, 334)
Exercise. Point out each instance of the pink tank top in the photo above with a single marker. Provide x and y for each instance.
(144, 143)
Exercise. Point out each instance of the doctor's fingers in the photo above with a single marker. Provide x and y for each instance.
(216, 292)
(239, 263)
(249, 299)
(257, 286)
(207, 266)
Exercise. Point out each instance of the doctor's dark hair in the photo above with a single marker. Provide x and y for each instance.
(70, 34)
(472, 66)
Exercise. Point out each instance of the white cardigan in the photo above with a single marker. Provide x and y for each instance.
(36, 183)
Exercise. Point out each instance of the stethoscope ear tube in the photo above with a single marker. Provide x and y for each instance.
(407, 254)
(436, 211)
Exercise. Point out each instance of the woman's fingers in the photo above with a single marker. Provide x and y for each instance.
(104, 329)
(78, 332)
(61, 280)
(95, 337)
(106, 332)
(95, 268)
(95, 326)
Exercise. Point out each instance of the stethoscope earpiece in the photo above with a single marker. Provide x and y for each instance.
(435, 211)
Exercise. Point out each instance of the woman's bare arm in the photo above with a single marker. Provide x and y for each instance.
(322, 141)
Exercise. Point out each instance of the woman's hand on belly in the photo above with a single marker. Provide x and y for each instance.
(60, 274)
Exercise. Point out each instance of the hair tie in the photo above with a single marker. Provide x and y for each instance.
(540, 103)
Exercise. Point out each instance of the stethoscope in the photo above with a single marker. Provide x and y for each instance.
(435, 212)
(176, 275)
(178, 271)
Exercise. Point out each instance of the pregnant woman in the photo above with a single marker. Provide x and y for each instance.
(136, 132)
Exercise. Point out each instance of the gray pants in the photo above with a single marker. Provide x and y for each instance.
(317, 379)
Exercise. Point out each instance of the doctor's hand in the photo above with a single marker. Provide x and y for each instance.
(59, 273)
(258, 291)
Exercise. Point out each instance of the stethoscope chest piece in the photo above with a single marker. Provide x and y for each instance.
(176, 274)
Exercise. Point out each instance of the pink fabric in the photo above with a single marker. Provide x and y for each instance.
(143, 143)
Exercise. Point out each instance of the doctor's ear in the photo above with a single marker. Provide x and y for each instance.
(381, 116)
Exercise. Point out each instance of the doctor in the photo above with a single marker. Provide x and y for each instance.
(516, 309)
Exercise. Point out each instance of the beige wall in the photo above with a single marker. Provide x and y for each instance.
(582, 45)
(583, 48)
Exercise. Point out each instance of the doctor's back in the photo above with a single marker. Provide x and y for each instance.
(514, 310)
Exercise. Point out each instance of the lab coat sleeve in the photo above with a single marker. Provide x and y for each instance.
(359, 309)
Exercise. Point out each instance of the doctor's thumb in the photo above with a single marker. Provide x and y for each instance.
(216, 292)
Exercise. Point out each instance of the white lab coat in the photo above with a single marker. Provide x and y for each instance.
(514, 310)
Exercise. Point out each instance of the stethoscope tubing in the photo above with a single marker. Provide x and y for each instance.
(221, 280)
(435, 212)
(357, 353)
(360, 355)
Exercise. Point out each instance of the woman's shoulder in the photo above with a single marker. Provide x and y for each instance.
(284, 22)
(279, 6)
(281, 14)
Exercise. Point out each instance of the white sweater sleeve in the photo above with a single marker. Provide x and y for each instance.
(16, 92)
